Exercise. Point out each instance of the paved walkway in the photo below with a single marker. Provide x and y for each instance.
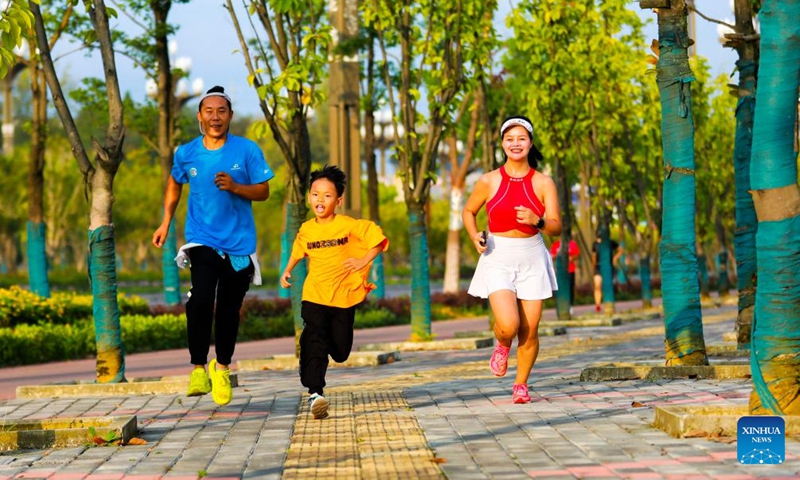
(432, 415)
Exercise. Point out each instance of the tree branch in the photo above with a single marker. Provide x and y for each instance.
(85, 166)
(709, 19)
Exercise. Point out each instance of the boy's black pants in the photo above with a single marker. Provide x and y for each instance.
(214, 281)
(327, 331)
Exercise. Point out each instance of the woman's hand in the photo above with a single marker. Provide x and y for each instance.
(480, 242)
(526, 216)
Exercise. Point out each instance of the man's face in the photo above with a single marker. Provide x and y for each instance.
(215, 117)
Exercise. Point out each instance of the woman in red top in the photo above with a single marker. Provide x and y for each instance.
(515, 271)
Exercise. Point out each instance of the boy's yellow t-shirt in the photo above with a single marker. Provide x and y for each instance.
(327, 246)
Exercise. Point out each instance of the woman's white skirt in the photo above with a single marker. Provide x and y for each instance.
(522, 265)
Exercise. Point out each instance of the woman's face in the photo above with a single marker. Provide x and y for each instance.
(517, 143)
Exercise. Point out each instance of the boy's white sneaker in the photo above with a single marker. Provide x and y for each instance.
(318, 406)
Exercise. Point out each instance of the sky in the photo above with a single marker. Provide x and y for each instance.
(206, 37)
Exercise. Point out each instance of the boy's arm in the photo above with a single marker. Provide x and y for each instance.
(287, 272)
(356, 264)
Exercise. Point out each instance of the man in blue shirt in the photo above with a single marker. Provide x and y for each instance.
(225, 173)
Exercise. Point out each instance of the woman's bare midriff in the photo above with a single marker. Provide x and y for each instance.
(512, 234)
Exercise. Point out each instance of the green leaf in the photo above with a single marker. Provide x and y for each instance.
(91, 37)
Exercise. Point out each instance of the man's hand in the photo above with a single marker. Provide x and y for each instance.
(160, 235)
(223, 181)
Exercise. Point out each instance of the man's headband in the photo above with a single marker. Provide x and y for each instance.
(516, 121)
(216, 94)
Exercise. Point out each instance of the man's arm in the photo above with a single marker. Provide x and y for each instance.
(172, 196)
(257, 192)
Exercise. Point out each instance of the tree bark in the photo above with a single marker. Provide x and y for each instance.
(775, 364)
(683, 321)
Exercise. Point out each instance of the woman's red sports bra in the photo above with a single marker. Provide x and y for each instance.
(513, 192)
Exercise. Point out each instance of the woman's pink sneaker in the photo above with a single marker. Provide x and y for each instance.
(520, 393)
(499, 362)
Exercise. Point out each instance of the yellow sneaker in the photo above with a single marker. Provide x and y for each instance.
(199, 383)
(221, 390)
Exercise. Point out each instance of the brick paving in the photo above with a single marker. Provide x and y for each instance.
(432, 415)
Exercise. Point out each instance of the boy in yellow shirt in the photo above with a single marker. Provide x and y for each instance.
(340, 251)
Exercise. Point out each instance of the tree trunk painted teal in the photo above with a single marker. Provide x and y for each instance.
(606, 268)
(376, 276)
(420, 275)
(705, 290)
(562, 294)
(744, 239)
(286, 250)
(295, 216)
(103, 278)
(37, 259)
(622, 269)
(644, 276)
(172, 281)
(683, 322)
(723, 282)
(775, 363)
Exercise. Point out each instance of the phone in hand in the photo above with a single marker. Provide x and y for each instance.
(483, 239)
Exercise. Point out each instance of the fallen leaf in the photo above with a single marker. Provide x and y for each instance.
(726, 440)
(695, 434)
(636, 404)
(99, 441)
(718, 432)
(137, 441)
(438, 460)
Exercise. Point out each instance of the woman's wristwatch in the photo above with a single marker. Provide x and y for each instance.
(540, 223)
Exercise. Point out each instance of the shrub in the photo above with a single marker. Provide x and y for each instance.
(27, 344)
(20, 306)
(143, 333)
(377, 317)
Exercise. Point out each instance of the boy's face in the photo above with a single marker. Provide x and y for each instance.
(323, 199)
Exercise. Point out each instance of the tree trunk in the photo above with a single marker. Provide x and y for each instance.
(723, 282)
(295, 216)
(102, 255)
(773, 174)
(744, 240)
(8, 115)
(702, 268)
(563, 305)
(37, 228)
(452, 268)
(644, 275)
(166, 142)
(604, 256)
(420, 277)
(376, 273)
(683, 322)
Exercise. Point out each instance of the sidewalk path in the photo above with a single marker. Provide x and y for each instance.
(432, 415)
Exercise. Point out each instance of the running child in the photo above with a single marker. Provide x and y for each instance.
(340, 250)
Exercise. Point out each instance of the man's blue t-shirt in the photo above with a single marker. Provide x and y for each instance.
(216, 218)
